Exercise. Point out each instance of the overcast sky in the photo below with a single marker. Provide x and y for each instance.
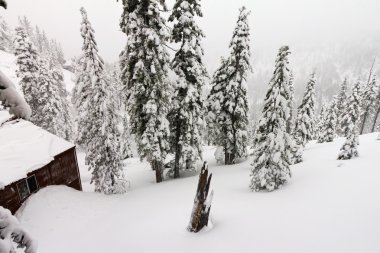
(298, 23)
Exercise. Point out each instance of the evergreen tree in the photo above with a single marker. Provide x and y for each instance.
(341, 106)
(6, 36)
(304, 127)
(329, 123)
(49, 113)
(102, 147)
(377, 112)
(272, 155)
(120, 107)
(228, 98)
(27, 72)
(321, 123)
(187, 115)
(27, 26)
(351, 120)
(368, 105)
(293, 111)
(144, 64)
(65, 113)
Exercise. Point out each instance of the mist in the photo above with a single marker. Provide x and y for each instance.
(334, 38)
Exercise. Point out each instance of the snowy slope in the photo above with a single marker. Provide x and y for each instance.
(329, 206)
(8, 66)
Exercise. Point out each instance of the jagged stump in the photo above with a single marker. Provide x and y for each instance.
(202, 202)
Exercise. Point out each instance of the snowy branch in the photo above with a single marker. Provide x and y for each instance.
(12, 99)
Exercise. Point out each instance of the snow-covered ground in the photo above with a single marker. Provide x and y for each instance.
(8, 67)
(328, 206)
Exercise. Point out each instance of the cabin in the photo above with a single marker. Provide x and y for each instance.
(32, 158)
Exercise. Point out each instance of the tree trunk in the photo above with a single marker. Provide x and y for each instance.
(229, 158)
(176, 160)
(157, 167)
(375, 120)
(364, 120)
(202, 202)
(177, 155)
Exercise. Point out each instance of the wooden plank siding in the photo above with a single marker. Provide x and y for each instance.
(63, 170)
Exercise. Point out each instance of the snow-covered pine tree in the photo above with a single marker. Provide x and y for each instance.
(216, 115)
(6, 36)
(376, 113)
(305, 114)
(49, 112)
(321, 124)
(145, 64)
(187, 115)
(84, 83)
(66, 125)
(102, 147)
(120, 105)
(329, 125)
(351, 119)
(24, 23)
(292, 105)
(272, 155)
(368, 100)
(305, 122)
(27, 72)
(341, 106)
(228, 98)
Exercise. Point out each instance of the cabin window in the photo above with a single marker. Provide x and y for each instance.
(27, 187)
(32, 184)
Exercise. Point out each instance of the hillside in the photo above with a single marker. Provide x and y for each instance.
(328, 206)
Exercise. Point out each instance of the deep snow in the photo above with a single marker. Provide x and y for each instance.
(328, 206)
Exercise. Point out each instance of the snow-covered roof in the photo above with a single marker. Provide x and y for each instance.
(24, 147)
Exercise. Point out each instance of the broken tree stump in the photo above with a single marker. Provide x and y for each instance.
(202, 202)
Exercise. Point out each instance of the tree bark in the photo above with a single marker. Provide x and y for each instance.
(229, 158)
(157, 167)
(364, 120)
(375, 120)
(202, 202)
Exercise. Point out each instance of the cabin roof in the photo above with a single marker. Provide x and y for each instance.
(25, 147)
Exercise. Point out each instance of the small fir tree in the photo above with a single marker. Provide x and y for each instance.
(321, 123)
(272, 155)
(6, 36)
(368, 100)
(341, 106)
(305, 114)
(351, 120)
(304, 127)
(329, 123)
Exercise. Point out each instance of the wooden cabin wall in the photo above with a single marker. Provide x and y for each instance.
(63, 170)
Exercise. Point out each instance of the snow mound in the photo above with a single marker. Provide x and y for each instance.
(24, 148)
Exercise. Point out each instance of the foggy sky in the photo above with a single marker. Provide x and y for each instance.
(302, 24)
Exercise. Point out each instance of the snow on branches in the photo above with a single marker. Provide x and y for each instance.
(13, 236)
(272, 155)
(228, 101)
